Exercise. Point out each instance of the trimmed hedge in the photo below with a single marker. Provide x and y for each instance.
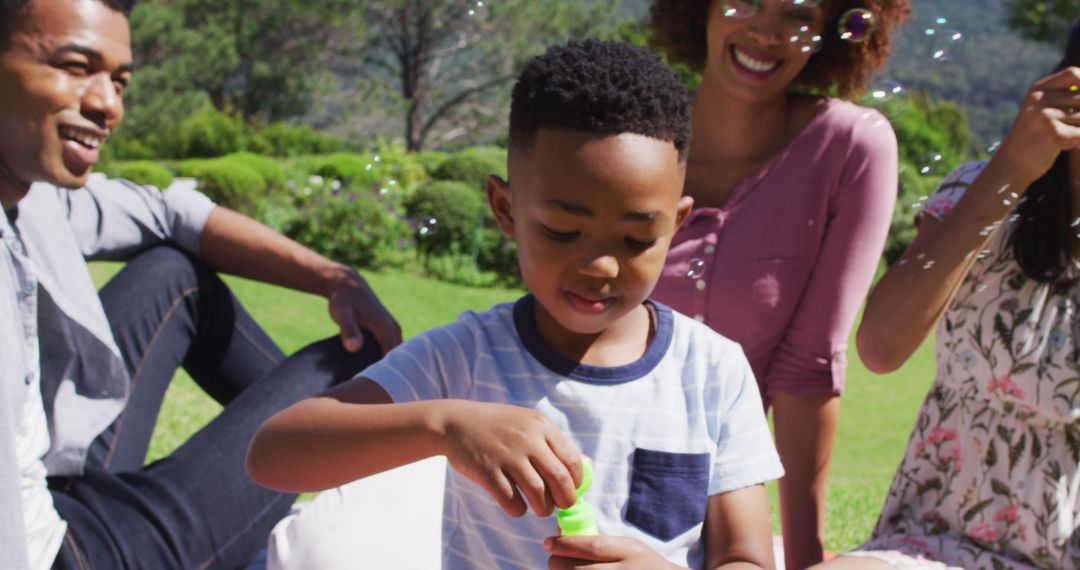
(268, 168)
(472, 166)
(142, 172)
(455, 207)
(229, 183)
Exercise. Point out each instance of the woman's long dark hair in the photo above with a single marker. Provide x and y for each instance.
(1042, 240)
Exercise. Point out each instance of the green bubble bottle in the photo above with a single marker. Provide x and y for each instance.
(579, 520)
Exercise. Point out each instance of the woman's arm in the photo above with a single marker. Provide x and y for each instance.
(913, 294)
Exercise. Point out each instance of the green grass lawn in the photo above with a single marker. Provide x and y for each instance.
(878, 411)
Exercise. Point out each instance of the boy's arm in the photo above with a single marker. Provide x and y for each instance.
(737, 534)
(355, 430)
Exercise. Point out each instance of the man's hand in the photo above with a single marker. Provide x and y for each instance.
(608, 552)
(353, 306)
(515, 454)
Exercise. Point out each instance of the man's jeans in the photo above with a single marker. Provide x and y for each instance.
(196, 508)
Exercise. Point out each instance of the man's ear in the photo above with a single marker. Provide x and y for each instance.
(498, 195)
(686, 203)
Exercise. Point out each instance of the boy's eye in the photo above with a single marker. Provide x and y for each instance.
(639, 245)
(560, 236)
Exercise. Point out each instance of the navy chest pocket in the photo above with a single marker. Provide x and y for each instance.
(668, 492)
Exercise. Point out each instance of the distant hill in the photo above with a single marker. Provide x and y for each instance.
(987, 71)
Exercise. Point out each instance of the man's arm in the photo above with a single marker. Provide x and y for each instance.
(236, 244)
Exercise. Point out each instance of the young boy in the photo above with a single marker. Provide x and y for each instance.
(667, 410)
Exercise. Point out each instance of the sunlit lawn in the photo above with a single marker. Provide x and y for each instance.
(878, 411)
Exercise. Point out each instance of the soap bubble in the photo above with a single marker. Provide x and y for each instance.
(740, 9)
(856, 25)
(885, 90)
(930, 164)
(804, 3)
(993, 147)
(696, 269)
(807, 40)
(476, 9)
(943, 44)
(428, 226)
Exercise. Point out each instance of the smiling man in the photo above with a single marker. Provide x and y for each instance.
(83, 373)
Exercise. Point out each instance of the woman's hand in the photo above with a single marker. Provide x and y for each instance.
(1048, 123)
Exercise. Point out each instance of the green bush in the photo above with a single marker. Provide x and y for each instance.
(142, 172)
(461, 269)
(282, 139)
(210, 134)
(229, 183)
(356, 228)
(268, 168)
(350, 168)
(455, 208)
(472, 166)
(430, 160)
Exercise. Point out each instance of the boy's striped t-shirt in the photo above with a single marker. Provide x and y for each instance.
(682, 423)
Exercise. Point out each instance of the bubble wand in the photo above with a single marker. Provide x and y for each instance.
(579, 519)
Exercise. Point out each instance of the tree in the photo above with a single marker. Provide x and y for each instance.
(256, 58)
(448, 58)
(1046, 21)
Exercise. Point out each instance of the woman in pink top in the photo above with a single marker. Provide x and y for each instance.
(793, 195)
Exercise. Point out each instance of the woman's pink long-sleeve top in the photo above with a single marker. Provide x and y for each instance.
(784, 265)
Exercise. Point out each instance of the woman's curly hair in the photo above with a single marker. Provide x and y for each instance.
(678, 29)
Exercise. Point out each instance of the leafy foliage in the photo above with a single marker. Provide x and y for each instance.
(1045, 21)
(472, 166)
(229, 183)
(451, 62)
(141, 172)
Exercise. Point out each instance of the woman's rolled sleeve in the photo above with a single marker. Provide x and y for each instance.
(810, 359)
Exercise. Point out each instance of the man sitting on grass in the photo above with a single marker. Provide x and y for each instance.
(82, 376)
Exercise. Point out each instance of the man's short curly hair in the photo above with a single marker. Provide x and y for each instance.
(678, 28)
(11, 9)
(604, 88)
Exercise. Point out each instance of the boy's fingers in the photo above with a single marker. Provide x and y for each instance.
(563, 563)
(531, 484)
(502, 489)
(1064, 79)
(599, 548)
(559, 482)
(567, 454)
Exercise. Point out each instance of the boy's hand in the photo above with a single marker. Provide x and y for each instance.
(602, 551)
(514, 453)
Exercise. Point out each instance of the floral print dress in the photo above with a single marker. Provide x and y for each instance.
(991, 475)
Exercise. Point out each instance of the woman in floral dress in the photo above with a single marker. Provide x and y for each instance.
(991, 476)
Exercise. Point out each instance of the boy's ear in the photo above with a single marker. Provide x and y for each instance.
(498, 195)
(686, 203)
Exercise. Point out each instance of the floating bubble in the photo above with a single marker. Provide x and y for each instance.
(428, 226)
(930, 164)
(804, 3)
(944, 43)
(993, 147)
(696, 269)
(807, 40)
(740, 9)
(377, 158)
(885, 90)
(700, 285)
(856, 25)
(476, 10)
(928, 264)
